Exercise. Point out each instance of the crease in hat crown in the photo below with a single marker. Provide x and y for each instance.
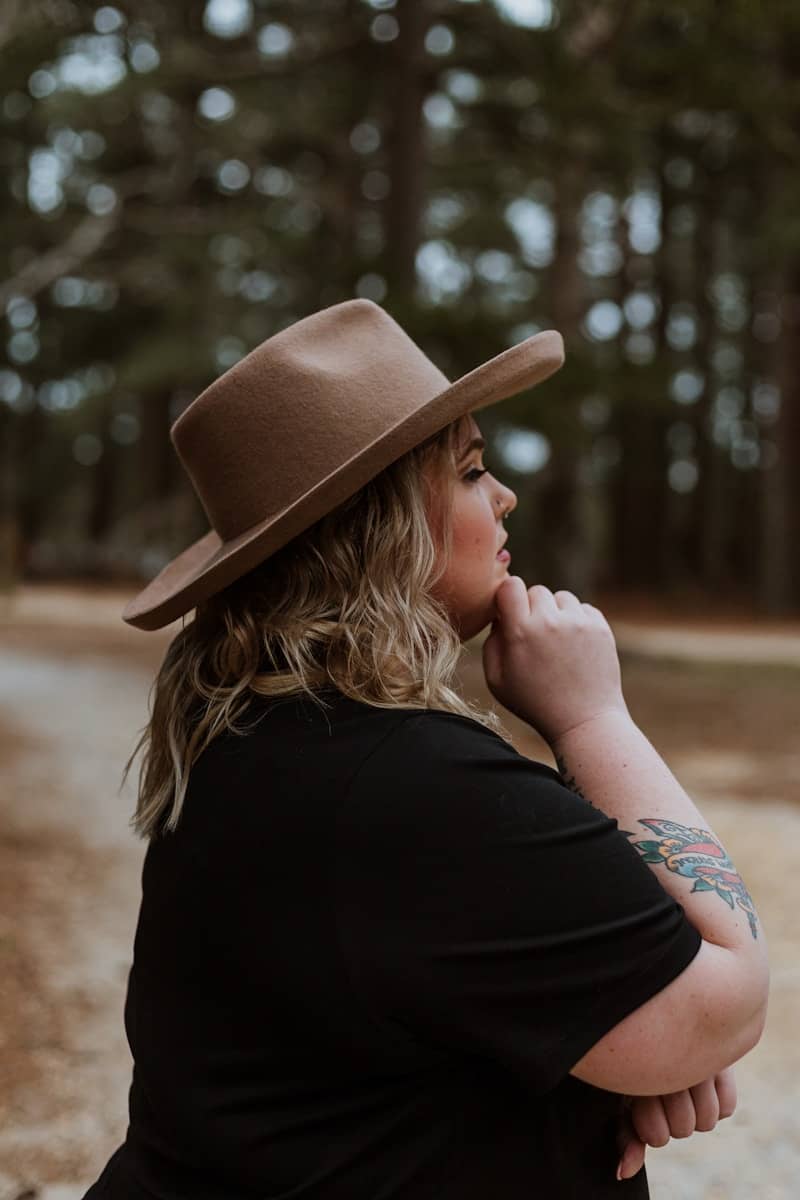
(300, 423)
(309, 375)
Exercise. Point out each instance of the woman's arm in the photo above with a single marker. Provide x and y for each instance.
(724, 991)
(552, 660)
(609, 760)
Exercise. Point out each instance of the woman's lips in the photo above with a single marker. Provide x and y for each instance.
(503, 556)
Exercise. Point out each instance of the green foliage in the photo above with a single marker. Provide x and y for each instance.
(219, 186)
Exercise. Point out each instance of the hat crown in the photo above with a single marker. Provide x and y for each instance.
(300, 424)
(344, 375)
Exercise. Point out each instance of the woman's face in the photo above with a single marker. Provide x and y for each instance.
(474, 572)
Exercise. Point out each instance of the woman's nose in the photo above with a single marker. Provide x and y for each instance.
(507, 500)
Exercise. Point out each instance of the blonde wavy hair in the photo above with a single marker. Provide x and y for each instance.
(348, 603)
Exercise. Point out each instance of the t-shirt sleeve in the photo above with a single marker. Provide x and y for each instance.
(486, 908)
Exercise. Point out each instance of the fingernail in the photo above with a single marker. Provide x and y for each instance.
(619, 1170)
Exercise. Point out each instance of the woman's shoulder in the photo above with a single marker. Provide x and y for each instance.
(433, 729)
(455, 777)
(410, 752)
(440, 736)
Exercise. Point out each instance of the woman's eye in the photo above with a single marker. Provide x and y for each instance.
(474, 475)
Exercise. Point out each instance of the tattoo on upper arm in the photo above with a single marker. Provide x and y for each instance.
(697, 854)
(570, 780)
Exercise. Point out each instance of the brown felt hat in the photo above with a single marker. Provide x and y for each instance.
(300, 424)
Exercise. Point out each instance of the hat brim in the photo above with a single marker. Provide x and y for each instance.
(210, 563)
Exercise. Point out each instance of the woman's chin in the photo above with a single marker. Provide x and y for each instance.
(471, 616)
(473, 623)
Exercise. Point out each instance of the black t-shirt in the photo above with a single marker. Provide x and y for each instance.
(368, 958)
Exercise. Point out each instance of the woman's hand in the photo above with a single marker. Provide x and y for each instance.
(550, 659)
(653, 1120)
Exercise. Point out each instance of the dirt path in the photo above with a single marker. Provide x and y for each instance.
(70, 877)
(73, 690)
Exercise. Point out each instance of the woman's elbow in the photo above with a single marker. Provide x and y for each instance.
(751, 1018)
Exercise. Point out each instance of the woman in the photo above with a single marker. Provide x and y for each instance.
(380, 953)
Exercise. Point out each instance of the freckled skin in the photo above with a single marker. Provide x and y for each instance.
(473, 572)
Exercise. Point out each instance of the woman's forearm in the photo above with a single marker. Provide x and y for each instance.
(612, 764)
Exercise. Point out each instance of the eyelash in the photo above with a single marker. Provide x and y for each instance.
(477, 472)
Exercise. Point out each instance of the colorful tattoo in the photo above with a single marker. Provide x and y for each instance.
(696, 854)
(569, 780)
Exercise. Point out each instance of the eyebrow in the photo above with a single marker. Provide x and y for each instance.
(477, 443)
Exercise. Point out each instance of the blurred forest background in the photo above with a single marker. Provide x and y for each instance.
(181, 180)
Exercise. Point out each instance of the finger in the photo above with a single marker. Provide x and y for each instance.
(649, 1120)
(566, 599)
(512, 602)
(706, 1105)
(542, 599)
(680, 1114)
(726, 1092)
(632, 1159)
(631, 1149)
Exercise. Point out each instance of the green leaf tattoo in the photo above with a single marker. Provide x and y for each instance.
(697, 854)
(569, 780)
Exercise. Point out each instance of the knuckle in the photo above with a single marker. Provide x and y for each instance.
(593, 612)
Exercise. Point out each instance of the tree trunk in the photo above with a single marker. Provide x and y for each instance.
(714, 481)
(157, 454)
(406, 155)
(781, 510)
(639, 496)
(562, 512)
